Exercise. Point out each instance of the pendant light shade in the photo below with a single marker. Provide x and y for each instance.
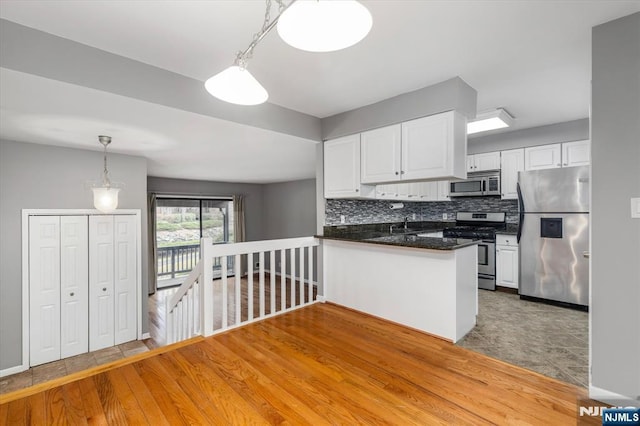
(237, 86)
(105, 199)
(324, 25)
(105, 192)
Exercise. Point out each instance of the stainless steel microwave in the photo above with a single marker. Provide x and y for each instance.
(477, 185)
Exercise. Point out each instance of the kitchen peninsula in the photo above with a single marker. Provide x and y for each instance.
(423, 282)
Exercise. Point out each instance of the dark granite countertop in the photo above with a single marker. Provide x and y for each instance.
(379, 234)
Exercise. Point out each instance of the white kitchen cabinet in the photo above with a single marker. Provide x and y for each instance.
(483, 162)
(512, 162)
(380, 153)
(443, 190)
(342, 169)
(543, 157)
(434, 147)
(388, 191)
(576, 153)
(506, 261)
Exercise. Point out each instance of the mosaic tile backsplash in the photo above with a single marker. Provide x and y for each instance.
(379, 211)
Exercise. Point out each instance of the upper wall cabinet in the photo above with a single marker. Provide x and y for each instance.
(543, 157)
(483, 162)
(381, 154)
(576, 153)
(567, 154)
(512, 162)
(342, 169)
(423, 149)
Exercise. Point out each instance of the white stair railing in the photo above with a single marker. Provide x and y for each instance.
(203, 306)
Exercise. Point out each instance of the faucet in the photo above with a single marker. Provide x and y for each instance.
(406, 222)
(391, 229)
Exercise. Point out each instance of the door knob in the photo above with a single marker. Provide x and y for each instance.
(104, 289)
(72, 294)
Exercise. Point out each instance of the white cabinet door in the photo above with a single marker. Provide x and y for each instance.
(434, 147)
(342, 169)
(387, 192)
(74, 285)
(543, 157)
(101, 282)
(44, 289)
(483, 162)
(428, 191)
(507, 266)
(380, 154)
(125, 276)
(512, 163)
(443, 190)
(576, 153)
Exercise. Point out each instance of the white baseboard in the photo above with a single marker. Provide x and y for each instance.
(146, 336)
(13, 370)
(603, 395)
(321, 299)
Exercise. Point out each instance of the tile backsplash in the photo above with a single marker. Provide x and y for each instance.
(378, 211)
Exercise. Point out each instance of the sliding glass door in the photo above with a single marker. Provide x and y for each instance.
(180, 223)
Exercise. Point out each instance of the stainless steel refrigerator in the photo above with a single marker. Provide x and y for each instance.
(554, 234)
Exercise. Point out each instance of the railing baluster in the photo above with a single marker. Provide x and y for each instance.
(238, 273)
(249, 286)
(272, 280)
(189, 313)
(261, 282)
(310, 275)
(292, 281)
(283, 279)
(223, 262)
(301, 283)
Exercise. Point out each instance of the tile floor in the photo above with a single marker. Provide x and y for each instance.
(56, 369)
(551, 340)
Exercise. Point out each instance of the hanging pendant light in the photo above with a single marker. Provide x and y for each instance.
(105, 193)
(324, 25)
(237, 86)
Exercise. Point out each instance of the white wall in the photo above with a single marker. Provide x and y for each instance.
(615, 236)
(46, 177)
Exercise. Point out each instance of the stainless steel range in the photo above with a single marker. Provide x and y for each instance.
(483, 227)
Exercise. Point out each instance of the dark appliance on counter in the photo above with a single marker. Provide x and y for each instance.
(483, 227)
(476, 185)
(554, 235)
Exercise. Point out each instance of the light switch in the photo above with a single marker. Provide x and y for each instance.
(635, 208)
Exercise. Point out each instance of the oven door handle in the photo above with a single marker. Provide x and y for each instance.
(484, 186)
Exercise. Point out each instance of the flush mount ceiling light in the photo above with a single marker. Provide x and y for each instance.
(105, 192)
(312, 25)
(324, 25)
(491, 120)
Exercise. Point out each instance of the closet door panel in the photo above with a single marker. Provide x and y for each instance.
(125, 279)
(74, 285)
(44, 288)
(101, 282)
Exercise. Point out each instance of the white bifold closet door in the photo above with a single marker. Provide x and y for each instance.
(58, 287)
(112, 281)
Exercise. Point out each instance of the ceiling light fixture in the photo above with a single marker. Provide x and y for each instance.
(491, 120)
(105, 192)
(324, 26)
(312, 25)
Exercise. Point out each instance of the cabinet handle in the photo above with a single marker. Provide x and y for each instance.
(72, 294)
(402, 172)
(397, 173)
(565, 164)
(357, 190)
(104, 289)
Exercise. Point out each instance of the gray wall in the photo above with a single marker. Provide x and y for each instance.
(615, 237)
(560, 132)
(46, 177)
(254, 202)
(452, 94)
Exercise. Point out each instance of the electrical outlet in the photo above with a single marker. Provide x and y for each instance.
(444, 216)
(343, 219)
(413, 216)
(257, 264)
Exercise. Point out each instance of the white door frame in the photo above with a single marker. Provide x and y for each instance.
(25, 270)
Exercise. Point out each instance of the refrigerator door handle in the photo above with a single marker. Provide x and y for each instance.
(521, 212)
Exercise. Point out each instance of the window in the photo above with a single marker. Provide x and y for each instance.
(180, 223)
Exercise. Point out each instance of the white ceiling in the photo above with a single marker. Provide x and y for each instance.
(531, 57)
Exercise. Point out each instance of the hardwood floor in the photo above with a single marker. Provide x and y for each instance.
(322, 364)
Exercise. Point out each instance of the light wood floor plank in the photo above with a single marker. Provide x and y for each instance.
(322, 364)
